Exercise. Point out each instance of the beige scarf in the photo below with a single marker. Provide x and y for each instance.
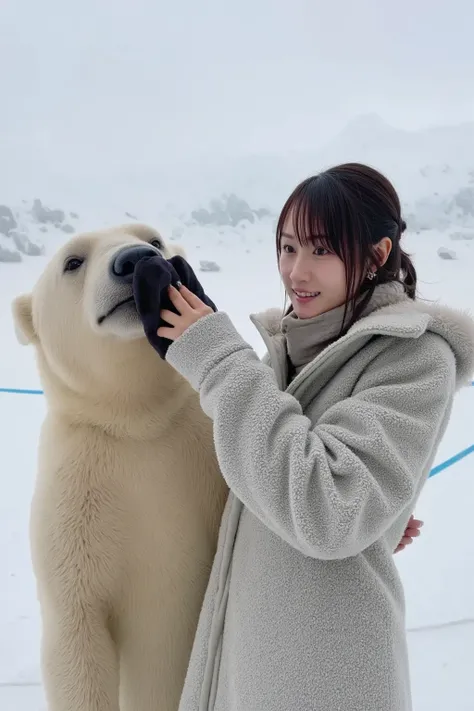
(306, 338)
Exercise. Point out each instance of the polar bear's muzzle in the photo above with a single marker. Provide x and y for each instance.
(114, 302)
(124, 262)
(114, 308)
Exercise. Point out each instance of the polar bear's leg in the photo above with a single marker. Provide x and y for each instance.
(154, 659)
(79, 660)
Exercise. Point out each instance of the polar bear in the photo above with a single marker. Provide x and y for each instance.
(128, 497)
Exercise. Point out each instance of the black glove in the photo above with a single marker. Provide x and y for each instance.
(151, 278)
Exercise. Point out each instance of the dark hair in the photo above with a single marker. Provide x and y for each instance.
(354, 207)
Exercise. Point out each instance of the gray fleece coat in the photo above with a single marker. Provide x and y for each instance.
(304, 609)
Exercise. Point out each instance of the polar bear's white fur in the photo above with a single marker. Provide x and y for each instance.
(128, 497)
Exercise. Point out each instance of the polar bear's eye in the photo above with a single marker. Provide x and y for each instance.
(157, 243)
(72, 263)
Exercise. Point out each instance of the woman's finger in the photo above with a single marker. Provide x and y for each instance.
(170, 317)
(179, 301)
(191, 298)
(165, 332)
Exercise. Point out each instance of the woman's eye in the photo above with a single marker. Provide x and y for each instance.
(287, 248)
(321, 251)
(73, 263)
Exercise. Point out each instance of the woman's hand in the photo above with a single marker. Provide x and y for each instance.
(412, 531)
(190, 309)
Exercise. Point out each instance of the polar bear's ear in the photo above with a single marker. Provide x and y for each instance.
(177, 250)
(23, 319)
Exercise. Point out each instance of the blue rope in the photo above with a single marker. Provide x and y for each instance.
(436, 470)
(21, 391)
(452, 460)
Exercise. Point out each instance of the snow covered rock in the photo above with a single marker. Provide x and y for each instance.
(445, 253)
(25, 245)
(7, 220)
(228, 210)
(456, 236)
(8, 253)
(14, 242)
(206, 266)
(45, 214)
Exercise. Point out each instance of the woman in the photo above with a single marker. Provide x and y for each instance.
(325, 446)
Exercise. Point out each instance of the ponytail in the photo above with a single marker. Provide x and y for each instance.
(407, 268)
(408, 275)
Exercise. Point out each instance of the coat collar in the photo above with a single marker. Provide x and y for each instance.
(404, 319)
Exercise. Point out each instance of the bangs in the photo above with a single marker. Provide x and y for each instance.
(320, 211)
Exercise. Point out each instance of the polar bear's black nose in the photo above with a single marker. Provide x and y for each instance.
(123, 264)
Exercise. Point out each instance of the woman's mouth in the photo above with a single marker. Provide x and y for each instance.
(304, 296)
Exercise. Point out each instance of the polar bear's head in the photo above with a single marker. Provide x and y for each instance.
(81, 315)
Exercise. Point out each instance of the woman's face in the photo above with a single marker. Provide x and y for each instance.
(314, 278)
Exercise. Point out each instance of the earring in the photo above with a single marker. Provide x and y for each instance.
(371, 275)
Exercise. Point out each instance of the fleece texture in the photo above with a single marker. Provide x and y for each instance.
(304, 608)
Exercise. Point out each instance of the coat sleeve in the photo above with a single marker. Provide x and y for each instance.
(331, 488)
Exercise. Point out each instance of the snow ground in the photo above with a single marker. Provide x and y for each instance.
(438, 570)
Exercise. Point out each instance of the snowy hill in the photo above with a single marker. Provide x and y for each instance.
(433, 170)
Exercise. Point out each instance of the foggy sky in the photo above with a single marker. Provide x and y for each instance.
(117, 83)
